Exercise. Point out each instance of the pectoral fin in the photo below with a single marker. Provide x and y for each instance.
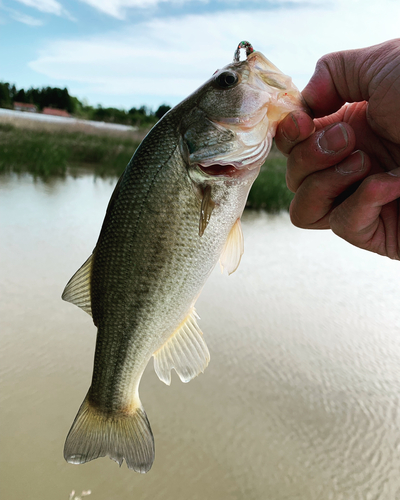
(77, 290)
(207, 206)
(233, 249)
(185, 351)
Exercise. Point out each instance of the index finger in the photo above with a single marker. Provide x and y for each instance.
(294, 128)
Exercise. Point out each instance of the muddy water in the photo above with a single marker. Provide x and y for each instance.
(301, 398)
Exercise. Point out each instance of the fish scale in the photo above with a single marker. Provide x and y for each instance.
(175, 211)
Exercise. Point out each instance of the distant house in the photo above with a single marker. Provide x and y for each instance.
(23, 106)
(56, 112)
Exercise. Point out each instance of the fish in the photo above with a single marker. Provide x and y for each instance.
(174, 213)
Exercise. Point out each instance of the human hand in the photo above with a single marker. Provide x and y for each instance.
(344, 166)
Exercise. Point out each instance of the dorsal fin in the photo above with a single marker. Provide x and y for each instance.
(185, 351)
(233, 249)
(77, 290)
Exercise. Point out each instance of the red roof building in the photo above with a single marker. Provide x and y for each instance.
(23, 106)
(56, 112)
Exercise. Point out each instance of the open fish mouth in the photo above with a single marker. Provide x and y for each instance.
(228, 170)
(218, 170)
(244, 162)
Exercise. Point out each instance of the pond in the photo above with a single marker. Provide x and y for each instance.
(301, 397)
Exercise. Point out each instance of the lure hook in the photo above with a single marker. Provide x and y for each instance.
(243, 45)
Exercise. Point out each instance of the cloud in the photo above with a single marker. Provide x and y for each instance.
(25, 19)
(47, 6)
(173, 56)
(118, 8)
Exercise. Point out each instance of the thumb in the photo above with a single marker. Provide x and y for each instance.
(349, 76)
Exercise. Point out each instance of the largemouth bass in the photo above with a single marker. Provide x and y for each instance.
(174, 212)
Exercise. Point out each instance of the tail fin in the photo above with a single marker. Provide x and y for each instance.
(120, 436)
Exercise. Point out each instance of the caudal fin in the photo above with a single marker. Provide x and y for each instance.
(121, 436)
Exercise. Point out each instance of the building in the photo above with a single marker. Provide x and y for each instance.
(23, 106)
(56, 112)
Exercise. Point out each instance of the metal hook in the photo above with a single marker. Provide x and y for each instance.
(243, 45)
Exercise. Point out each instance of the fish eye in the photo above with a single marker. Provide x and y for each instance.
(227, 79)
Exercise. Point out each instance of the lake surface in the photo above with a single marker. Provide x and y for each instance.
(12, 115)
(301, 397)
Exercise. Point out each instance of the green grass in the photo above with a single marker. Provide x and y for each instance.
(269, 191)
(47, 153)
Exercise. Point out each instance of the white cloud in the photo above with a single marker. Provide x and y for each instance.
(173, 56)
(47, 6)
(25, 19)
(118, 8)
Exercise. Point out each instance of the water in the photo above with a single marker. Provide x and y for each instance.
(300, 400)
(61, 120)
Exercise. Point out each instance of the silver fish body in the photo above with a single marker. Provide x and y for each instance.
(174, 212)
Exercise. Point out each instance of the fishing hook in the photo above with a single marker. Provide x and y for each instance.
(243, 45)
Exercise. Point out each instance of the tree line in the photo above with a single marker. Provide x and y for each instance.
(57, 98)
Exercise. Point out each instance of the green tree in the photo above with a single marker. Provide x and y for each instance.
(162, 110)
(20, 96)
(7, 93)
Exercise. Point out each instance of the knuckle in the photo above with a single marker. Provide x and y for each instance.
(295, 216)
(290, 183)
(371, 187)
(328, 61)
(338, 223)
(296, 157)
(317, 185)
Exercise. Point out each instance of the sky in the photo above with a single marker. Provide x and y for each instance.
(126, 53)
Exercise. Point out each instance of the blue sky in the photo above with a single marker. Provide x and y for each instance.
(126, 53)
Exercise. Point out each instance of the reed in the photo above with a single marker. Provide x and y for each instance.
(46, 152)
(269, 191)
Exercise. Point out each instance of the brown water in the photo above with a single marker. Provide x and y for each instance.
(300, 400)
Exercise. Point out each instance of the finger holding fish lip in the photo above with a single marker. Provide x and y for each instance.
(368, 218)
(322, 191)
(322, 149)
(294, 128)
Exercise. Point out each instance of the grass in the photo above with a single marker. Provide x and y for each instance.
(45, 154)
(45, 151)
(269, 191)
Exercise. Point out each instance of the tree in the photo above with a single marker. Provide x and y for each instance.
(162, 110)
(7, 93)
(20, 96)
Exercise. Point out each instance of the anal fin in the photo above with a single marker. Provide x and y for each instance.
(185, 351)
(233, 249)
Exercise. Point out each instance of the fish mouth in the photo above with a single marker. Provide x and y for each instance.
(240, 163)
(219, 170)
(230, 170)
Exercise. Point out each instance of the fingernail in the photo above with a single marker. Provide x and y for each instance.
(291, 130)
(333, 139)
(352, 164)
(395, 172)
